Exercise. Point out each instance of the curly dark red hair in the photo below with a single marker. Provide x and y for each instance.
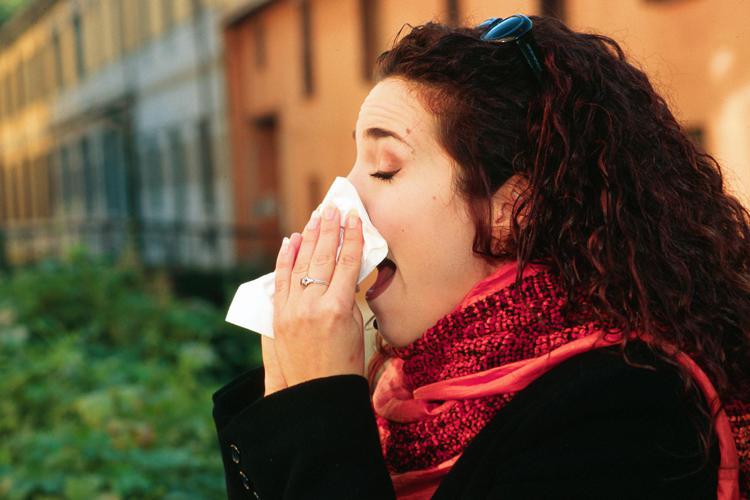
(619, 201)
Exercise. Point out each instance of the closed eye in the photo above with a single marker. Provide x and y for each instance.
(384, 176)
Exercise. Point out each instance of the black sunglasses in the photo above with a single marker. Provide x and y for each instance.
(516, 28)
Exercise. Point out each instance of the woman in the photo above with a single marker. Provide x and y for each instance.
(566, 306)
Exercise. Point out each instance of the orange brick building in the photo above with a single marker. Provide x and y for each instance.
(298, 70)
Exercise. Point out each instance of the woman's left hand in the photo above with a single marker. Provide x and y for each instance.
(318, 329)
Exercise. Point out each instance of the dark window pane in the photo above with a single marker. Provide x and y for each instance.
(154, 175)
(3, 196)
(307, 69)
(20, 86)
(260, 42)
(89, 179)
(554, 8)
(49, 171)
(167, 14)
(66, 177)
(57, 49)
(179, 171)
(145, 21)
(114, 175)
(28, 207)
(78, 33)
(15, 189)
(452, 11)
(206, 156)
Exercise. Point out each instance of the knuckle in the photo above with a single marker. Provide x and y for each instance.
(300, 269)
(281, 284)
(331, 228)
(353, 235)
(348, 260)
(322, 259)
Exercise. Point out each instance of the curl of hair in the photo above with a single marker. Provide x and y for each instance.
(620, 202)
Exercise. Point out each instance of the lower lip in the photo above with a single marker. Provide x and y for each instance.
(374, 291)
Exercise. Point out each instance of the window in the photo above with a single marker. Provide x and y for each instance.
(167, 14)
(3, 110)
(179, 171)
(25, 189)
(8, 95)
(368, 29)
(20, 86)
(114, 178)
(154, 175)
(3, 197)
(66, 176)
(206, 156)
(49, 172)
(452, 11)
(144, 27)
(89, 179)
(57, 49)
(260, 42)
(78, 34)
(15, 188)
(305, 26)
(119, 31)
(37, 188)
(554, 8)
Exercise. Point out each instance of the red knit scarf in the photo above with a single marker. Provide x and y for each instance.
(438, 392)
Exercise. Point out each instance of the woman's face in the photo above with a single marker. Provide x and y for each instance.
(426, 225)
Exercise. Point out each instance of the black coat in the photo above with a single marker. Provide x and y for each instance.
(592, 427)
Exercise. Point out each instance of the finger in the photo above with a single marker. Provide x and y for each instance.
(345, 274)
(324, 256)
(284, 262)
(309, 240)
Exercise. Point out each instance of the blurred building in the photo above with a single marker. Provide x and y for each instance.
(113, 124)
(208, 129)
(298, 71)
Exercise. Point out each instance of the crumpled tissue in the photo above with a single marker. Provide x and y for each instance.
(252, 305)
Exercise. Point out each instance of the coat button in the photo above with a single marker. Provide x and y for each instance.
(235, 453)
(245, 480)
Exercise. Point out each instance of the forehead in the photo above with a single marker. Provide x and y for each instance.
(394, 104)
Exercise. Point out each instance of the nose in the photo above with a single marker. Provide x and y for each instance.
(359, 185)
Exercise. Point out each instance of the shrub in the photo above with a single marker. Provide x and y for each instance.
(106, 380)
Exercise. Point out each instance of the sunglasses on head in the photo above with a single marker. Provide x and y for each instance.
(516, 28)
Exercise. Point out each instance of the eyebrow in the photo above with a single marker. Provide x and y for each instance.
(380, 133)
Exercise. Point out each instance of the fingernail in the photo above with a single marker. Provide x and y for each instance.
(352, 218)
(284, 245)
(314, 220)
(328, 212)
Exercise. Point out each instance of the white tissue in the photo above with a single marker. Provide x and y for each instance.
(252, 305)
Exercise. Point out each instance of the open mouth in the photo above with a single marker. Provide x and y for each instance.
(386, 271)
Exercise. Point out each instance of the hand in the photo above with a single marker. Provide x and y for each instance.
(318, 329)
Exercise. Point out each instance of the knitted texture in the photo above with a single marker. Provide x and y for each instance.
(739, 419)
(514, 323)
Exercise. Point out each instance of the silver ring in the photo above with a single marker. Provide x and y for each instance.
(307, 280)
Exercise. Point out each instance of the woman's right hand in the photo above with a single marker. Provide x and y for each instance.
(274, 379)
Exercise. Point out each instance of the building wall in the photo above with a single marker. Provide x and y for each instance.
(118, 121)
(695, 50)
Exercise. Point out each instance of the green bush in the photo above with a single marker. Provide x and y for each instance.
(106, 381)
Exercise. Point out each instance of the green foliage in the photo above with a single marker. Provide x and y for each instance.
(106, 383)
